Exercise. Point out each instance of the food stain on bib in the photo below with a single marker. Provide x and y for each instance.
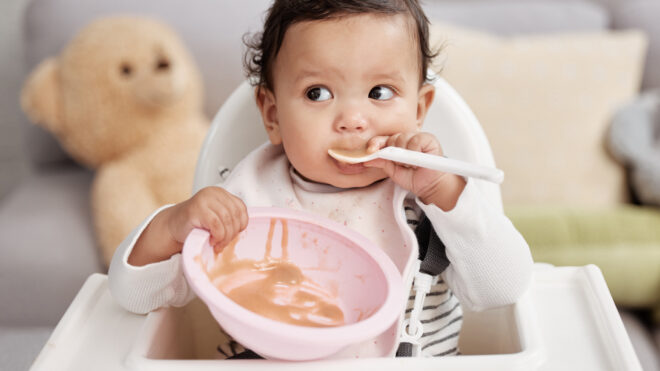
(274, 287)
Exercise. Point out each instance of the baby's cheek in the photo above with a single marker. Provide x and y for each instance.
(307, 164)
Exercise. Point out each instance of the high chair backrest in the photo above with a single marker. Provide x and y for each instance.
(237, 129)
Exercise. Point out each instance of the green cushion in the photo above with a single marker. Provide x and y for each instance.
(623, 241)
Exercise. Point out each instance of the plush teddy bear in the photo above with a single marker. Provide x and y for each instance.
(124, 97)
(634, 140)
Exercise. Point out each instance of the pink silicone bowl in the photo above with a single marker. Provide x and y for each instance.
(336, 257)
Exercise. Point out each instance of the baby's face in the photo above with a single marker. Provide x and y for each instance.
(338, 83)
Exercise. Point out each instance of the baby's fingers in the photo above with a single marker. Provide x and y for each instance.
(240, 213)
(233, 217)
(386, 165)
(217, 230)
(424, 142)
(376, 143)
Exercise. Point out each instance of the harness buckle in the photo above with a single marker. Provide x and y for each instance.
(412, 339)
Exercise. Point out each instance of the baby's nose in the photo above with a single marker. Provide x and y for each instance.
(355, 122)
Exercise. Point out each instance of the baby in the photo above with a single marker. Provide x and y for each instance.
(347, 75)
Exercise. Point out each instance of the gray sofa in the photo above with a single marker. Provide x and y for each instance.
(46, 242)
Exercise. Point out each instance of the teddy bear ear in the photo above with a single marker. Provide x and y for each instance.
(39, 97)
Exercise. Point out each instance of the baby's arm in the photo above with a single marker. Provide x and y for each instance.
(491, 263)
(143, 289)
(145, 273)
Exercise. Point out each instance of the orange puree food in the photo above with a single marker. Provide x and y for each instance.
(275, 288)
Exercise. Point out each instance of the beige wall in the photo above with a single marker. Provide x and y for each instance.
(13, 164)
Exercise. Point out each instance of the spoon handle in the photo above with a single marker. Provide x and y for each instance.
(440, 163)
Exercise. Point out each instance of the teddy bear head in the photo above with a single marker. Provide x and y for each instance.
(116, 83)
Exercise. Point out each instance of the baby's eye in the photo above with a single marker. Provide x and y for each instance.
(381, 93)
(125, 69)
(318, 94)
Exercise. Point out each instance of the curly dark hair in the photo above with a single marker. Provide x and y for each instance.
(262, 48)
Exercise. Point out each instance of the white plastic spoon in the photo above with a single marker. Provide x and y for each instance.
(420, 159)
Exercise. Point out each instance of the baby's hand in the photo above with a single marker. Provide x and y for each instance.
(431, 186)
(212, 208)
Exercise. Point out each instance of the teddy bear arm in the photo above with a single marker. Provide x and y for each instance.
(121, 199)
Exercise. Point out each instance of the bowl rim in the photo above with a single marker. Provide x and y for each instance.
(370, 327)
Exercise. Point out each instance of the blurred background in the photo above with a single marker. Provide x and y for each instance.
(566, 90)
(13, 162)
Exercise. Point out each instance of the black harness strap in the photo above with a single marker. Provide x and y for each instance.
(431, 250)
(434, 259)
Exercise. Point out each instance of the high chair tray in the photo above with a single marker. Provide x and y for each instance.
(566, 321)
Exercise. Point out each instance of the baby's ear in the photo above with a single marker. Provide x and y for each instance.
(424, 101)
(40, 95)
(266, 103)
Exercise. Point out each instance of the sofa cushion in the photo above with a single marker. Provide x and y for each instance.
(544, 102)
(21, 345)
(623, 241)
(46, 246)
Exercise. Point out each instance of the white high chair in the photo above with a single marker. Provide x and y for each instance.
(566, 321)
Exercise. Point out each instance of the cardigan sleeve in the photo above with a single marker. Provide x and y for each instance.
(490, 262)
(146, 288)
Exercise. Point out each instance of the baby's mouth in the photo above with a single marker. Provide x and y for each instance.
(346, 168)
(349, 169)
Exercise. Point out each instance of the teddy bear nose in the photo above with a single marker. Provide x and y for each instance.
(162, 65)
